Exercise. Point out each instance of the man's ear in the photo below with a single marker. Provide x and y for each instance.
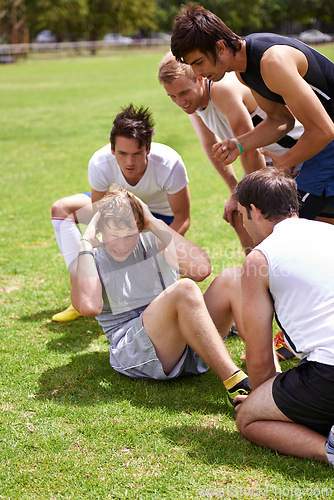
(112, 149)
(220, 46)
(256, 212)
(148, 149)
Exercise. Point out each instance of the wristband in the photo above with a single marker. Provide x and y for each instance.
(84, 239)
(239, 146)
(89, 252)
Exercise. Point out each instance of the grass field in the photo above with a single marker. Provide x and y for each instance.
(71, 428)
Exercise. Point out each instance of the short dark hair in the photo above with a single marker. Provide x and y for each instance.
(271, 191)
(197, 28)
(133, 123)
(122, 208)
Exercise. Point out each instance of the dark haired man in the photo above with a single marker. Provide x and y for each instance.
(154, 172)
(289, 273)
(288, 79)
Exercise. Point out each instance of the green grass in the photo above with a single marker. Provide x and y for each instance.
(71, 428)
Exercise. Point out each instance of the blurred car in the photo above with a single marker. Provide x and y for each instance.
(117, 39)
(164, 37)
(314, 36)
(46, 36)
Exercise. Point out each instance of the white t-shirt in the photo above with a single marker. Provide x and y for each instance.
(165, 174)
(300, 257)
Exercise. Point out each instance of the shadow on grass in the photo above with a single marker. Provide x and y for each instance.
(224, 447)
(75, 336)
(89, 380)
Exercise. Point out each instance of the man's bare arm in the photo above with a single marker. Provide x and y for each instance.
(257, 316)
(208, 139)
(300, 100)
(180, 206)
(229, 98)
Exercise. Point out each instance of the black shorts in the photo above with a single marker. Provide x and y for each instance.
(312, 205)
(305, 394)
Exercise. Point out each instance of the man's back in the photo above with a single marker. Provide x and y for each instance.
(319, 75)
(299, 253)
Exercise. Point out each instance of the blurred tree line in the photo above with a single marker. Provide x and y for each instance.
(92, 19)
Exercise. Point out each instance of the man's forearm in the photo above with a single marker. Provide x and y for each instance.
(252, 160)
(180, 253)
(225, 171)
(307, 146)
(180, 224)
(265, 133)
(261, 370)
(86, 291)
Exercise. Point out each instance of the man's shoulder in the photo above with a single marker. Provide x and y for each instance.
(229, 88)
(103, 153)
(163, 154)
(255, 258)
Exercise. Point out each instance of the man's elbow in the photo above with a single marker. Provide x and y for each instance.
(186, 225)
(201, 270)
(329, 133)
(290, 124)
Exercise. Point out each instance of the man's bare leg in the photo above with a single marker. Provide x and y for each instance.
(223, 300)
(178, 317)
(260, 421)
(78, 207)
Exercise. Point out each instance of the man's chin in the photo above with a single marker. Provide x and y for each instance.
(118, 257)
(219, 77)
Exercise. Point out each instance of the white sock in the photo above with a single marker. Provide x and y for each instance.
(68, 236)
(330, 447)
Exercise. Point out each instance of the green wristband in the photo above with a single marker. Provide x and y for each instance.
(239, 147)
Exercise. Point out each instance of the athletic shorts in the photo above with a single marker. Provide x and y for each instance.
(312, 205)
(168, 219)
(135, 356)
(305, 394)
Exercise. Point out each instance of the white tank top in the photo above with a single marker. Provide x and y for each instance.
(300, 257)
(219, 125)
(214, 120)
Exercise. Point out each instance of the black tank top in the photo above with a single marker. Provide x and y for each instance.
(320, 73)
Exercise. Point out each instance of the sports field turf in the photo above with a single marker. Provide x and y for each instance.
(71, 428)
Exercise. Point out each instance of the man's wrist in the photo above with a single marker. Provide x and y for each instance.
(238, 145)
(85, 244)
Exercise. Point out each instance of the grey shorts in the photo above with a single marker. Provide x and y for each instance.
(305, 394)
(135, 356)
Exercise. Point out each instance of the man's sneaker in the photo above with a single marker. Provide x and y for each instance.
(233, 330)
(330, 447)
(70, 314)
(237, 385)
(281, 349)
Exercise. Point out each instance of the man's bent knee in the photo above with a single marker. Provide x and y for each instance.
(58, 209)
(188, 291)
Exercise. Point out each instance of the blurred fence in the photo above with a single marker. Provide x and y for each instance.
(13, 51)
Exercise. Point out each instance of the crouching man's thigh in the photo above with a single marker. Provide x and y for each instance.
(259, 406)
